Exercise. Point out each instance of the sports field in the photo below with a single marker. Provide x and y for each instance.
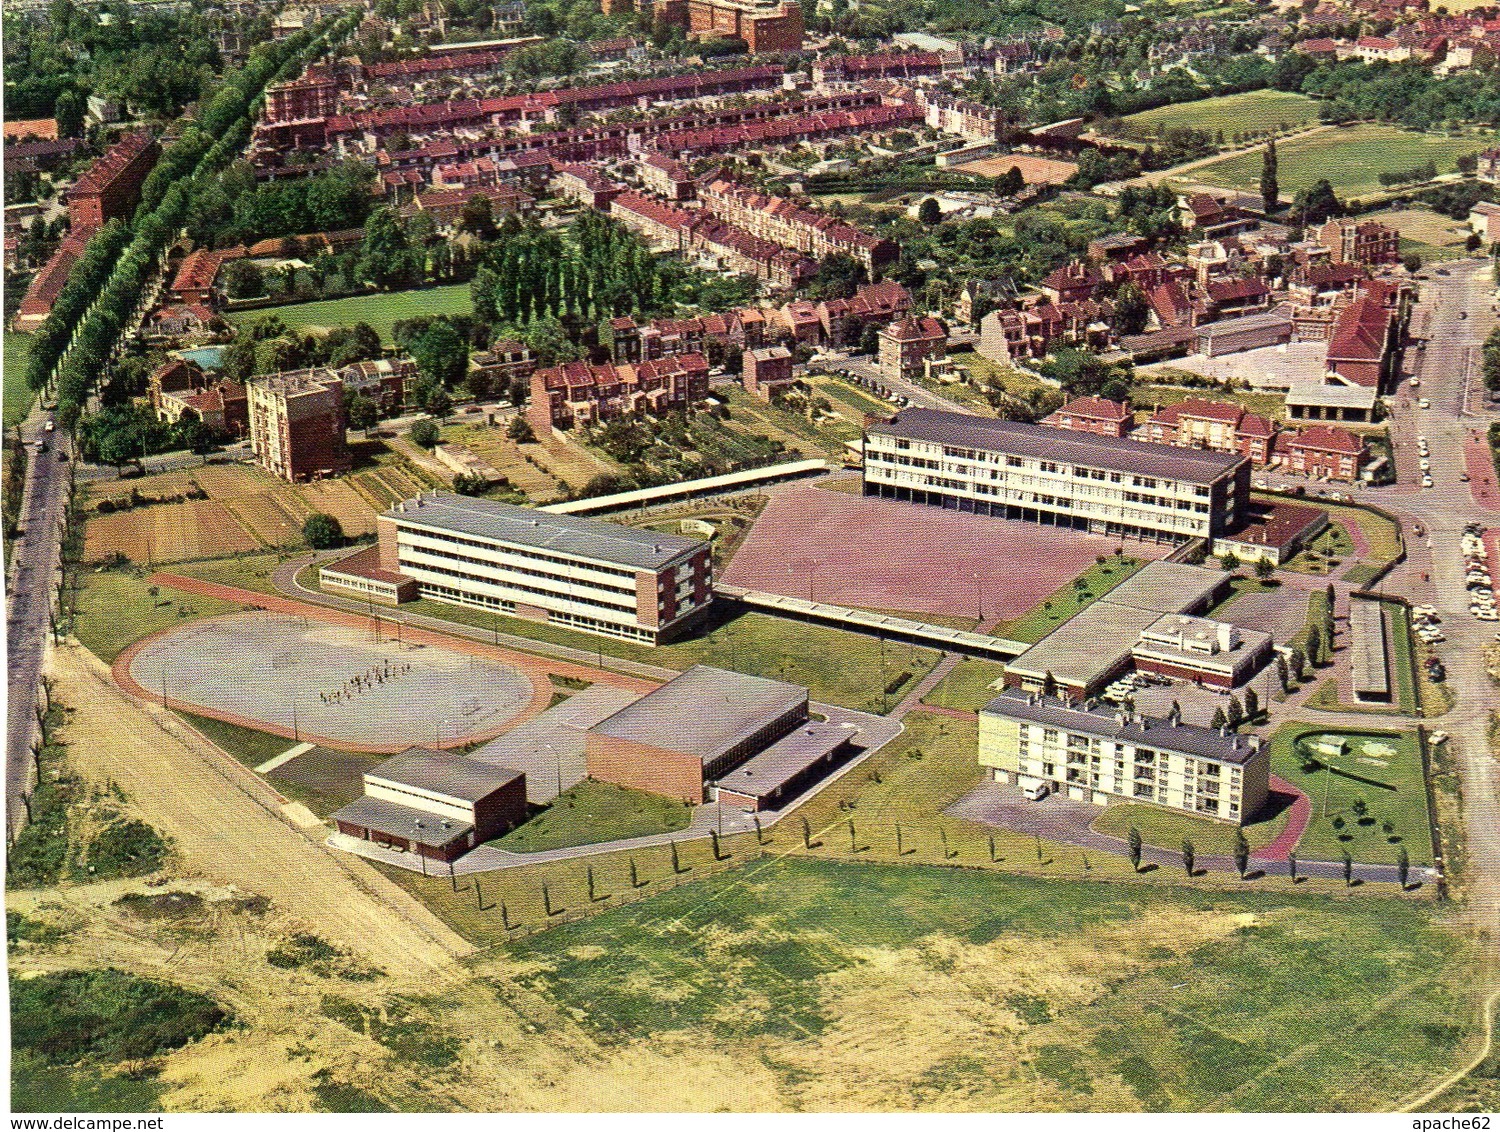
(845, 986)
(332, 684)
(1351, 158)
(379, 310)
(1233, 113)
(885, 554)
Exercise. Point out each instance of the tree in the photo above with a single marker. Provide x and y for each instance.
(1189, 856)
(441, 354)
(1133, 841)
(1318, 204)
(1235, 714)
(1131, 309)
(1348, 868)
(1360, 808)
(1270, 191)
(1011, 182)
(1229, 560)
(1220, 720)
(1412, 262)
(1297, 662)
(1252, 705)
(1241, 853)
(322, 531)
(362, 411)
(1283, 674)
(1291, 866)
(1264, 568)
(520, 430)
(243, 279)
(436, 402)
(68, 111)
(929, 212)
(838, 277)
(1403, 866)
(424, 433)
(1314, 646)
(386, 256)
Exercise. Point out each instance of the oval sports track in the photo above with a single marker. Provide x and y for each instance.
(334, 684)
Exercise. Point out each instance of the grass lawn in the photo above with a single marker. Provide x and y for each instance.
(116, 607)
(1147, 398)
(1097, 581)
(18, 395)
(592, 812)
(838, 667)
(1334, 544)
(1431, 235)
(1083, 997)
(1166, 829)
(1393, 792)
(1381, 534)
(1239, 585)
(1351, 158)
(1255, 109)
(967, 686)
(245, 744)
(379, 310)
(246, 571)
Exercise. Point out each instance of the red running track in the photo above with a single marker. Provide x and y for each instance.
(1296, 824)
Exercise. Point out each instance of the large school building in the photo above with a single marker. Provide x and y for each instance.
(1104, 484)
(569, 570)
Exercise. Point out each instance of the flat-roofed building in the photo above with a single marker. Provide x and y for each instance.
(1097, 753)
(767, 780)
(1057, 477)
(692, 730)
(1212, 653)
(297, 424)
(1083, 654)
(1369, 666)
(569, 570)
(434, 803)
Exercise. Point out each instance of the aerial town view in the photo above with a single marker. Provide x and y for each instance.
(752, 556)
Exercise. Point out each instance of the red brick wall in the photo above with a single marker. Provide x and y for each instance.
(501, 811)
(385, 534)
(643, 767)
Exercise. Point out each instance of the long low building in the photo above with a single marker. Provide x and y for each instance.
(1096, 753)
(570, 570)
(1370, 666)
(1104, 484)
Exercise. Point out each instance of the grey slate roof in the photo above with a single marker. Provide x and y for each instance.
(1104, 721)
(443, 773)
(575, 536)
(1165, 461)
(703, 712)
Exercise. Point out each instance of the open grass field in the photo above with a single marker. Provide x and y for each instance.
(1148, 398)
(1351, 158)
(1097, 580)
(902, 987)
(838, 667)
(592, 812)
(379, 310)
(967, 686)
(1384, 769)
(1166, 829)
(18, 395)
(1232, 113)
(115, 607)
(1430, 234)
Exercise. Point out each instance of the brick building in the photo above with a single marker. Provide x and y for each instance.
(297, 424)
(111, 187)
(665, 177)
(764, 26)
(793, 226)
(907, 344)
(767, 370)
(1350, 240)
(1325, 452)
(582, 393)
(1098, 415)
(1215, 425)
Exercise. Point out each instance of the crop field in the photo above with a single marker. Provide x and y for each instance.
(1351, 158)
(247, 509)
(860, 986)
(380, 311)
(1233, 113)
(1035, 170)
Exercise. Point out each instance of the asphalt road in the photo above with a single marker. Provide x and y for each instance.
(35, 559)
(1443, 510)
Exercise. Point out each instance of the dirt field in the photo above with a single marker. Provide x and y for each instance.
(884, 554)
(168, 532)
(1036, 170)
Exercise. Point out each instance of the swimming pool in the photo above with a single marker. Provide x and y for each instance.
(209, 357)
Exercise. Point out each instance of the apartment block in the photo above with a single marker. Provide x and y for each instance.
(582, 393)
(1059, 478)
(111, 187)
(297, 424)
(1096, 754)
(569, 570)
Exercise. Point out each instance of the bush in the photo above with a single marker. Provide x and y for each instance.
(424, 434)
(520, 430)
(126, 849)
(322, 531)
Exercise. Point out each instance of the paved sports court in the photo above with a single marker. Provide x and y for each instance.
(885, 554)
(333, 684)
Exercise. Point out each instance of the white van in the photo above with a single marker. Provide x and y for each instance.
(1034, 790)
